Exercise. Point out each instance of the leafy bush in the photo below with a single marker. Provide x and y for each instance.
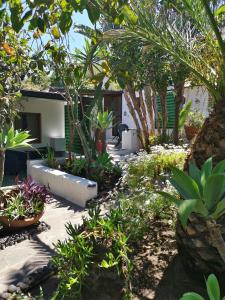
(26, 200)
(100, 244)
(195, 119)
(50, 159)
(213, 290)
(151, 167)
(202, 191)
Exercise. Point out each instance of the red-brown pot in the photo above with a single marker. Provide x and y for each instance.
(14, 224)
(191, 132)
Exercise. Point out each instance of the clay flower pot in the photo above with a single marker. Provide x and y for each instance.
(16, 224)
(191, 132)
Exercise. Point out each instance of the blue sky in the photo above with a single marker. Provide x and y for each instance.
(77, 40)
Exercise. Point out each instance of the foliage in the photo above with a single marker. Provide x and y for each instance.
(213, 290)
(104, 120)
(50, 159)
(195, 119)
(11, 139)
(184, 113)
(202, 191)
(151, 167)
(26, 200)
(101, 244)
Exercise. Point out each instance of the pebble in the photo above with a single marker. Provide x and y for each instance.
(22, 285)
(13, 289)
(5, 295)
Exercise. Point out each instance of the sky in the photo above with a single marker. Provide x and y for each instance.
(77, 40)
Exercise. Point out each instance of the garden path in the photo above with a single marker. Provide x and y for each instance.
(24, 258)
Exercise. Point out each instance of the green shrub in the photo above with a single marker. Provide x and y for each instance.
(151, 167)
(101, 244)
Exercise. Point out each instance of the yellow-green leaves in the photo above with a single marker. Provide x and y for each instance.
(55, 32)
(220, 10)
(129, 15)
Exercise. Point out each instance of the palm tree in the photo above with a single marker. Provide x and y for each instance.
(191, 31)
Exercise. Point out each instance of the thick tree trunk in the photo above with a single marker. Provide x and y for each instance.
(2, 164)
(178, 100)
(211, 139)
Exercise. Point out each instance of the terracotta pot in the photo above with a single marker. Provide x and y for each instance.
(191, 132)
(13, 224)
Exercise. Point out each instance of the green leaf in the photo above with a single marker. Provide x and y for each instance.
(191, 296)
(55, 32)
(93, 12)
(220, 210)
(185, 209)
(219, 168)
(195, 173)
(129, 14)
(170, 197)
(213, 287)
(206, 170)
(41, 25)
(185, 185)
(213, 190)
(65, 22)
(220, 10)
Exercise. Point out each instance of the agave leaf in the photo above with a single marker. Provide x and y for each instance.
(206, 170)
(200, 208)
(219, 211)
(185, 209)
(191, 296)
(195, 173)
(170, 197)
(219, 168)
(213, 287)
(213, 190)
(185, 185)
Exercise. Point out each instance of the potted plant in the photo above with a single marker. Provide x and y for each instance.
(23, 205)
(193, 124)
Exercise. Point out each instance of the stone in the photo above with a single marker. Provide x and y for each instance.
(5, 295)
(13, 289)
(23, 286)
(191, 231)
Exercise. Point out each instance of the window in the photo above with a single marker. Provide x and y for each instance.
(30, 122)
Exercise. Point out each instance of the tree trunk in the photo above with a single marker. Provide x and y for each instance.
(211, 139)
(2, 164)
(178, 100)
(149, 99)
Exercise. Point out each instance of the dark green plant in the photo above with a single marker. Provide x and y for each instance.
(50, 159)
(213, 291)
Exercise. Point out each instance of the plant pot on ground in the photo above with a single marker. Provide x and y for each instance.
(23, 205)
(193, 124)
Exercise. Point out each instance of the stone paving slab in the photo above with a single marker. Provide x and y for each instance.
(24, 258)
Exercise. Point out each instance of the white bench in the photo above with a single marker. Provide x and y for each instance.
(72, 188)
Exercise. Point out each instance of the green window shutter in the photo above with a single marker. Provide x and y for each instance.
(170, 109)
(77, 142)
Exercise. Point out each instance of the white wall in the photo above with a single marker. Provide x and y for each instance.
(199, 97)
(198, 94)
(52, 117)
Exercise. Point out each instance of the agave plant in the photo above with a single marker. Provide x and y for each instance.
(201, 208)
(213, 290)
(11, 139)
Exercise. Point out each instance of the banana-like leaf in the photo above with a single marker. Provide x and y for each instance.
(213, 287)
(185, 209)
(219, 168)
(191, 296)
(219, 211)
(186, 186)
(206, 170)
(213, 190)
